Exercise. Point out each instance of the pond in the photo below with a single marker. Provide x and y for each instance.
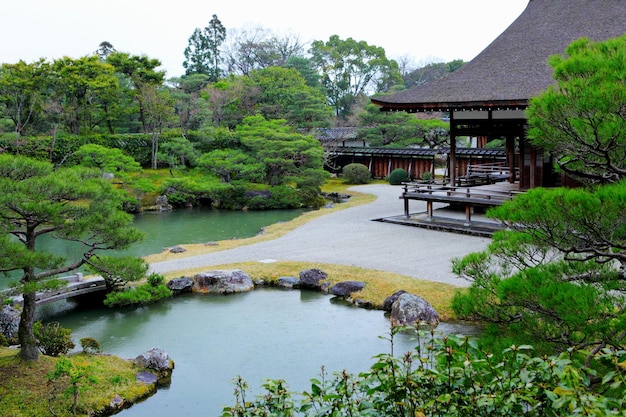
(266, 333)
(196, 225)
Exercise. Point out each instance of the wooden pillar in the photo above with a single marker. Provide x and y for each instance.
(452, 156)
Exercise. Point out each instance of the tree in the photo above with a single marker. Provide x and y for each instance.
(401, 129)
(350, 69)
(431, 72)
(232, 165)
(22, 93)
(159, 111)
(582, 119)
(558, 274)
(288, 157)
(202, 54)
(141, 74)
(255, 48)
(81, 88)
(284, 94)
(177, 152)
(107, 160)
(189, 106)
(69, 204)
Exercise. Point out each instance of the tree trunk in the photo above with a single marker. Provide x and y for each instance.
(28, 344)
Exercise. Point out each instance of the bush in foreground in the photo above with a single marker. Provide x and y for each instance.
(398, 176)
(453, 377)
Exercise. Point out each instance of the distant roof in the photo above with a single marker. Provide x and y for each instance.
(513, 68)
(336, 133)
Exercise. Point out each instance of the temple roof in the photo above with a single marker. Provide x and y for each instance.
(513, 68)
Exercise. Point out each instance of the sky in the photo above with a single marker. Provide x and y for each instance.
(424, 31)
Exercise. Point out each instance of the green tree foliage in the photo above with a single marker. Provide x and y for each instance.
(54, 340)
(288, 157)
(107, 160)
(350, 69)
(178, 152)
(189, 104)
(232, 165)
(283, 93)
(23, 93)
(431, 72)
(69, 204)
(82, 88)
(138, 73)
(582, 120)
(118, 271)
(400, 129)
(202, 54)
(451, 377)
(558, 274)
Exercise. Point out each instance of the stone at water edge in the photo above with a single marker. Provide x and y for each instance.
(411, 310)
(222, 282)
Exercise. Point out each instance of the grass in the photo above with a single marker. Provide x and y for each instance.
(25, 391)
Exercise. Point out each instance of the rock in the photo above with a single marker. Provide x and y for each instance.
(411, 310)
(177, 249)
(311, 279)
(162, 203)
(158, 360)
(117, 402)
(287, 282)
(222, 282)
(180, 285)
(388, 303)
(345, 288)
(9, 321)
(367, 304)
(146, 377)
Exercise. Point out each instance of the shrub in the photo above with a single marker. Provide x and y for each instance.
(427, 176)
(54, 340)
(90, 345)
(154, 279)
(140, 295)
(398, 176)
(356, 174)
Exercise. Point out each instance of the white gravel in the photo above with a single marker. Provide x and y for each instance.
(351, 237)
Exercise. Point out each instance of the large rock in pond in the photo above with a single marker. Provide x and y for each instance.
(312, 279)
(411, 310)
(158, 361)
(180, 285)
(345, 288)
(222, 282)
(388, 303)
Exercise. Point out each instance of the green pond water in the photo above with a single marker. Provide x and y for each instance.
(197, 225)
(265, 333)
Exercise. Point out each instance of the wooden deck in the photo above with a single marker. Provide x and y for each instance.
(76, 286)
(454, 209)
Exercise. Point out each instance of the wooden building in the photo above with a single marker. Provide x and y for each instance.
(487, 97)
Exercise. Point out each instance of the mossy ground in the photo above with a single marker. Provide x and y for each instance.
(26, 392)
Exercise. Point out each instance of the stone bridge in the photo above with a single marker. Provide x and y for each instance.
(76, 285)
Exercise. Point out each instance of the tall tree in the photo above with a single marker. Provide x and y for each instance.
(81, 87)
(350, 69)
(202, 54)
(67, 204)
(139, 71)
(23, 93)
(284, 94)
(254, 48)
(582, 119)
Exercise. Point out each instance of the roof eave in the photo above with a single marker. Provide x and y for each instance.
(518, 104)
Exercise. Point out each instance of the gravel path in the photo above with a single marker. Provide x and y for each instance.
(350, 237)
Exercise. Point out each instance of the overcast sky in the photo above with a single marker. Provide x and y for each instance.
(424, 30)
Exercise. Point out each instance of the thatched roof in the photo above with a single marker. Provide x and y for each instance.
(513, 68)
